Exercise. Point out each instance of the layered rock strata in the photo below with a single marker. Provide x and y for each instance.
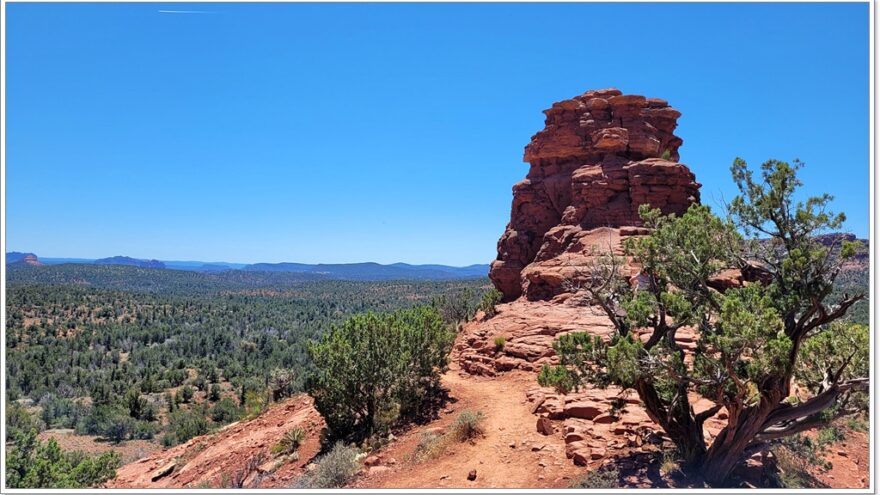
(600, 156)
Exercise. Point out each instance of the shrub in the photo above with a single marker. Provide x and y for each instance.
(602, 478)
(136, 404)
(186, 394)
(183, 425)
(225, 411)
(468, 424)
(34, 464)
(214, 394)
(255, 403)
(669, 461)
(143, 430)
(290, 442)
(487, 303)
(430, 446)
(829, 436)
(61, 412)
(106, 421)
(334, 469)
(796, 457)
(377, 364)
(457, 306)
(499, 342)
(558, 377)
(238, 478)
(857, 424)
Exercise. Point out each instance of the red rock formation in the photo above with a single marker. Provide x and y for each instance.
(32, 260)
(599, 157)
(238, 450)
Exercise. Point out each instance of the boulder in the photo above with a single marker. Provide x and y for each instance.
(545, 426)
(583, 410)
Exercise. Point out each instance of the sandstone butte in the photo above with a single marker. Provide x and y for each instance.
(599, 157)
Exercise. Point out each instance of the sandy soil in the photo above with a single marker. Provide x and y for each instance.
(511, 454)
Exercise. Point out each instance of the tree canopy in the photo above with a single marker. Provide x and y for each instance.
(755, 339)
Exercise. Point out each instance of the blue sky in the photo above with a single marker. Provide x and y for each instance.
(389, 132)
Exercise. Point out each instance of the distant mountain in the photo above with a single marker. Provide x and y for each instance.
(60, 261)
(339, 271)
(15, 256)
(25, 258)
(375, 271)
(201, 266)
(126, 261)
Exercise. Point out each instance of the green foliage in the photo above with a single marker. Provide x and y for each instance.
(457, 306)
(857, 424)
(601, 478)
(840, 345)
(290, 442)
(113, 423)
(225, 411)
(558, 377)
(499, 342)
(255, 402)
(61, 412)
(214, 393)
(186, 394)
(751, 341)
(376, 362)
(242, 334)
(31, 463)
(796, 456)
(185, 424)
(334, 469)
(125, 345)
(829, 436)
(469, 424)
(488, 301)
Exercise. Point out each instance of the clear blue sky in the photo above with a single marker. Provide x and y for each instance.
(389, 132)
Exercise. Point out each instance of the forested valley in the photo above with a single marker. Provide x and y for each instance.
(168, 355)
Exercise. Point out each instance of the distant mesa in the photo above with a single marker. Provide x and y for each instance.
(600, 156)
(24, 258)
(125, 260)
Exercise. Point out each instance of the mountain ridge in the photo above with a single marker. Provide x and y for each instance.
(365, 271)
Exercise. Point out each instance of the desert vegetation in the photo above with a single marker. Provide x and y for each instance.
(179, 360)
(377, 369)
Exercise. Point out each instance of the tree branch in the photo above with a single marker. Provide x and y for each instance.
(812, 406)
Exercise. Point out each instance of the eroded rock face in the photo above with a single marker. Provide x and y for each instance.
(599, 157)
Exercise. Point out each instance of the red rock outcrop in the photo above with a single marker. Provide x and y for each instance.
(32, 260)
(599, 157)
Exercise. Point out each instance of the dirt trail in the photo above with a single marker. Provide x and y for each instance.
(534, 460)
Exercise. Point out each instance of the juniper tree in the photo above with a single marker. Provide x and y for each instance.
(754, 341)
(378, 367)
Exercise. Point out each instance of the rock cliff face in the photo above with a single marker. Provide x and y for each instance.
(599, 157)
